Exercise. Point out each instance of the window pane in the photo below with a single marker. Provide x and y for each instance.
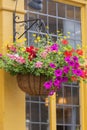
(75, 93)
(69, 27)
(35, 127)
(75, 115)
(27, 111)
(52, 8)
(77, 13)
(44, 113)
(61, 10)
(70, 12)
(67, 95)
(44, 10)
(72, 42)
(59, 127)
(77, 31)
(68, 115)
(44, 127)
(59, 114)
(60, 25)
(34, 98)
(34, 112)
(68, 128)
(52, 25)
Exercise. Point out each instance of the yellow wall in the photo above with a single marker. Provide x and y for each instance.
(12, 100)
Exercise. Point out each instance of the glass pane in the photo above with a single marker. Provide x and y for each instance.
(67, 95)
(52, 8)
(75, 93)
(69, 27)
(68, 115)
(44, 127)
(27, 126)
(52, 25)
(44, 113)
(35, 127)
(78, 31)
(34, 98)
(27, 111)
(59, 114)
(59, 96)
(59, 127)
(61, 10)
(68, 128)
(75, 116)
(77, 128)
(70, 12)
(77, 13)
(44, 10)
(44, 18)
(34, 112)
(78, 42)
(60, 25)
(72, 42)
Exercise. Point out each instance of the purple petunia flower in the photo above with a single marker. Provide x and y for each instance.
(48, 84)
(52, 65)
(58, 72)
(64, 79)
(75, 58)
(54, 47)
(77, 72)
(66, 69)
(76, 65)
(56, 83)
(67, 59)
(71, 63)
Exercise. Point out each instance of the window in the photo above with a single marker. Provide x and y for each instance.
(63, 18)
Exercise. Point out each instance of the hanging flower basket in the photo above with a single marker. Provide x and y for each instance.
(42, 70)
(32, 85)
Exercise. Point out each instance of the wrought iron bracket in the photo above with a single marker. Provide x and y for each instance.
(16, 20)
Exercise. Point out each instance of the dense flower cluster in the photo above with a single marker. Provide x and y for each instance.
(59, 62)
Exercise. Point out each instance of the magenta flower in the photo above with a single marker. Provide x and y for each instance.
(48, 84)
(58, 72)
(54, 47)
(64, 79)
(38, 64)
(71, 63)
(67, 59)
(76, 65)
(66, 69)
(56, 82)
(75, 58)
(77, 72)
(52, 65)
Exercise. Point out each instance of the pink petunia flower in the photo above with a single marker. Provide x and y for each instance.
(44, 54)
(38, 64)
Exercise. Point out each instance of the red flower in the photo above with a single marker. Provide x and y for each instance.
(32, 52)
(74, 78)
(65, 42)
(79, 52)
(84, 74)
(68, 53)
